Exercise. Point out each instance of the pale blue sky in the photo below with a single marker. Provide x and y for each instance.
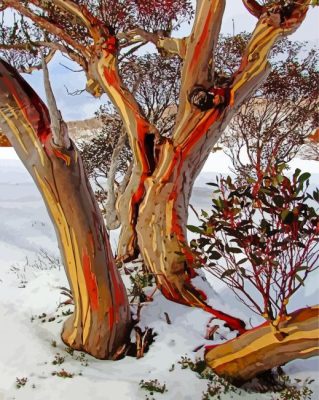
(84, 106)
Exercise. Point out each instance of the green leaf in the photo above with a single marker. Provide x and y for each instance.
(242, 261)
(256, 260)
(209, 230)
(243, 272)
(204, 213)
(297, 172)
(278, 200)
(214, 255)
(228, 272)
(299, 279)
(287, 216)
(194, 229)
(303, 177)
(234, 250)
(282, 166)
(211, 184)
(218, 202)
(302, 268)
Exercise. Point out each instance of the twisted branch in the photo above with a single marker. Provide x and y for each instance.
(253, 7)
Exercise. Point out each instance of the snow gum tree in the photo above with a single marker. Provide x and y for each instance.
(154, 206)
(101, 320)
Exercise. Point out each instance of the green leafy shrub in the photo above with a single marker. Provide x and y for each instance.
(261, 239)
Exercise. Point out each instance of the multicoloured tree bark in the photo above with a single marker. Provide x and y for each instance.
(154, 207)
(100, 324)
(260, 350)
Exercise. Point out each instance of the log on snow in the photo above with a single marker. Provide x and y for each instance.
(261, 349)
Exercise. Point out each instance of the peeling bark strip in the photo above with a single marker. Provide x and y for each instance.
(101, 321)
(262, 348)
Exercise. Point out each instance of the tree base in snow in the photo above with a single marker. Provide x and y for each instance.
(263, 348)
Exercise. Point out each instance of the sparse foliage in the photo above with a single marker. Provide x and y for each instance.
(272, 125)
(261, 239)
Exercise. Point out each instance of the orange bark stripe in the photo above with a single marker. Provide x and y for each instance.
(142, 130)
(35, 113)
(90, 280)
(201, 40)
(201, 130)
(62, 156)
(116, 283)
(111, 78)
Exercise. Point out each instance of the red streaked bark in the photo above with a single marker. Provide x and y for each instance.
(101, 321)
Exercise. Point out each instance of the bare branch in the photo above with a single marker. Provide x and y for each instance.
(58, 126)
(76, 92)
(38, 67)
(131, 51)
(126, 178)
(169, 45)
(71, 69)
(96, 27)
(111, 216)
(48, 26)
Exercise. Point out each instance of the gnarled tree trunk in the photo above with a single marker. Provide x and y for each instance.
(166, 172)
(100, 323)
(161, 227)
(264, 348)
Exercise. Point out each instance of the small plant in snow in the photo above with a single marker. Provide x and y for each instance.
(294, 391)
(69, 350)
(67, 313)
(139, 281)
(20, 382)
(58, 359)
(197, 366)
(83, 360)
(20, 274)
(63, 374)
(44, 261)
(152, 386)
(80, 357)
(217, 385)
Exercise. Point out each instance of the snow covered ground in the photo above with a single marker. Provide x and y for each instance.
(30, 343)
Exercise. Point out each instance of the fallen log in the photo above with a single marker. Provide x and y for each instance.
(263, 348)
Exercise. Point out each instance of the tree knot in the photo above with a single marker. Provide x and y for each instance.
(206, 99)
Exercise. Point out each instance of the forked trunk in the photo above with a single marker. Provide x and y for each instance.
(100, 323)
(161, 231)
